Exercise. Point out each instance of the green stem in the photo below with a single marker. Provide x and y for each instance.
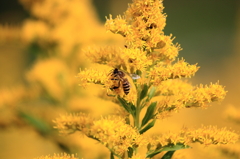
(138, 110)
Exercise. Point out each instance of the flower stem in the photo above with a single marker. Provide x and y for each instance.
(138, 110)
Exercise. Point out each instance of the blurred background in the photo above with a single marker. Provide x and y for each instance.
(40, 55)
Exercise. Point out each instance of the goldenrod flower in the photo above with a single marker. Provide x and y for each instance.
(182, 95)
(206, 135)
(163, 72)
(143, 74)
(58, 156)
(53, 75)
(74, 122)
(118, 136)
(64, 28)
(203, 95)
(112, 131)
(141, 25)
(92, 76)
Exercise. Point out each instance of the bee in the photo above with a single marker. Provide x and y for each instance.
(118, 76)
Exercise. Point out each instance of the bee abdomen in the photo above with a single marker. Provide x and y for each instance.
(126, 86)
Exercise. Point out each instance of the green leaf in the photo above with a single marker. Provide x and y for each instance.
(133, 109)
(152, 92)
(147, 127)
(150, 113)
(37, 123)
(144, 91)
(139, 72)
(130, 152)
(168, 155)
(167, 148)
(124, 104)
(129, 107)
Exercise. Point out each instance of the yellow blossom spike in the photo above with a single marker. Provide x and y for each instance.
(178, 96)
(141, 23)
(203, 95)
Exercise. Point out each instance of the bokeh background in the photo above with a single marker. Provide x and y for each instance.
(40, 54)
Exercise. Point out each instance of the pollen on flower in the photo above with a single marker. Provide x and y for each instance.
(113, 132)
(58, 156)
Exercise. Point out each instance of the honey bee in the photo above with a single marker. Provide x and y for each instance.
(120, 79)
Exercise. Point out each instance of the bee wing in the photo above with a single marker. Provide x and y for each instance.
(135, 76)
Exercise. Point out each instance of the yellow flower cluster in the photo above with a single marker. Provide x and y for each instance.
(112, 131)
(129, 59)
(187, 96)
(74, 122)
(144, 74)
(58, 156)
(142, 24)
(163, 72)
(92, 76)
(206, 94)
(206, 135)
(147, 53)
(53, 75)
(104, 55)
(9, 97)
(69, 25)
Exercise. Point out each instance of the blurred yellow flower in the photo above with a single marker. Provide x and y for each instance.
(53, 75)
(58, 156)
